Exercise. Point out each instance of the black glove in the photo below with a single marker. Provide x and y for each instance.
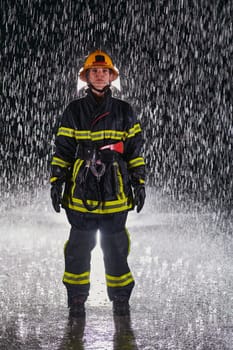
(139, 197)
(56, 195)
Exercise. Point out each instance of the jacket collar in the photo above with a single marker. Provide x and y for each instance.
(94, 101)
(99, 110)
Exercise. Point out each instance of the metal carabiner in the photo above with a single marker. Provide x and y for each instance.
(100, 172)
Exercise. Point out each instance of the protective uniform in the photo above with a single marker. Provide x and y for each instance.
(98, 156)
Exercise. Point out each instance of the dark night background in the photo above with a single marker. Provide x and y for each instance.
(175, 60)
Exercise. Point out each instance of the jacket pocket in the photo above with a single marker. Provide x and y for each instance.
(123, 171)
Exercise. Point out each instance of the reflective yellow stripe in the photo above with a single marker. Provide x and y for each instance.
(121, 194)
(77, 166)
(104, 208)
(133, 163)
(65, 245)
(82, 135)
(107, 134)
(53, 179)
(71, 278)
(99, 135)
(134, 130)
(62, 131)
(121, 281)
(94, 136)
(60, 162)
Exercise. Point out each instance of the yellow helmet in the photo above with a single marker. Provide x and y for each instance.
(98, 59)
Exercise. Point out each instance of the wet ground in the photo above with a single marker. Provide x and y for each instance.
(183, 299)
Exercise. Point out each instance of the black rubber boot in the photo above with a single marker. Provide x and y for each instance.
(121, 306)
(77, 307)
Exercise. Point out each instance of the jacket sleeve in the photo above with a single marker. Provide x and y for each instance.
(65, 148)
(133, 150)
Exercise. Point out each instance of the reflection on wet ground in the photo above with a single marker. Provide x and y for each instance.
(183, 299)
(75, 336)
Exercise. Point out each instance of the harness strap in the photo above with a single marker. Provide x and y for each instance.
(97, 167)
(83, 190)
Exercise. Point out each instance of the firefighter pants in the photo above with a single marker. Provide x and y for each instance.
(114, 241)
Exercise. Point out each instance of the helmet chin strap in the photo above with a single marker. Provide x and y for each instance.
(99, 90)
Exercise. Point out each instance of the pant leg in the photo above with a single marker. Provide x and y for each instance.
(77, 253)
(115, 243)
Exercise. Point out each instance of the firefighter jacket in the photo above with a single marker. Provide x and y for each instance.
(98, 181)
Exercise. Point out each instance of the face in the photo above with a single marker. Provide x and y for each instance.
(99, 77)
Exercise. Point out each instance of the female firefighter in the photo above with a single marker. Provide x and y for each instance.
(98, 158)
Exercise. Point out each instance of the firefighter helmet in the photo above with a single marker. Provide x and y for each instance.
(98, 59)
